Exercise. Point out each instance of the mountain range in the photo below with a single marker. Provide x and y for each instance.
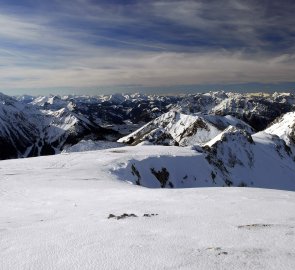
(234, 137)
(44, 125)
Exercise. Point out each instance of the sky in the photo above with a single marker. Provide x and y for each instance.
(160, 46)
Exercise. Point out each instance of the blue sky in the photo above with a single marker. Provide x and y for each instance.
(88, 46)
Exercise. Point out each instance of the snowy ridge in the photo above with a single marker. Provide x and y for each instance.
(233, 158)
(174, 128)
(284, 127)
(89, 145)
(258, 109)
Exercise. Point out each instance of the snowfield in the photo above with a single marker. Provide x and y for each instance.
(67, 212)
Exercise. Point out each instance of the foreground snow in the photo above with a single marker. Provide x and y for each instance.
(54, 215)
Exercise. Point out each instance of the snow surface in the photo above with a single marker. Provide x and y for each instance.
(54, 215)
(90, 145)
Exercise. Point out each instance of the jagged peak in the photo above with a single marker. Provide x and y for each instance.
(231, 133)
(5, 99)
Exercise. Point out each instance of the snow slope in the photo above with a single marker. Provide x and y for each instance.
(235, 159)
(55, 209)
(284, 127)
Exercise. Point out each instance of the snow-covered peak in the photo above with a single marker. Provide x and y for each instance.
(231, 134)
(217, 94)
(284, 98)
(175, 128)
(25, 98)
(232, 105)
(284, 127)
(10, 102)
(115, 98)
(50, 102)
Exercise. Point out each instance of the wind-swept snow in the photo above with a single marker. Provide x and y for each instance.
(55, 209)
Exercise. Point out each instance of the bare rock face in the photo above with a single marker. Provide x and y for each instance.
(292, 133)
(162, 176)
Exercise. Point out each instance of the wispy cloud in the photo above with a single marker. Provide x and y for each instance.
(153, 69)
(85, 43)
